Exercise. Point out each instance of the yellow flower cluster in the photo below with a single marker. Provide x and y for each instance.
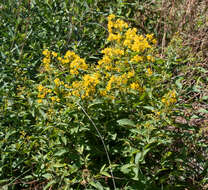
(136, 86)
(107, 62)
(73, 60)
(58, 82)
(150, 58)
(169, 98)
(115, 28)
(47, 59)
(86, 87)
(149, 72)
(118, 24)
(42, 92)
(137, 59)
(55, 99)
(137, 43)
(118, 81)
(115, 73)
(113, 52)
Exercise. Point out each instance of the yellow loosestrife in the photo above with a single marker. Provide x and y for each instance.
(115, 73)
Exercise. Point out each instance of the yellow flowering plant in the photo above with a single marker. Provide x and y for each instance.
(127, 69)
(124, 88)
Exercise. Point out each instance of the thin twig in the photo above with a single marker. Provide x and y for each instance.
(106, 151)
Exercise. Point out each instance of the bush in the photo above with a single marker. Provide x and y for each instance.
(113, 114)
(119, 119)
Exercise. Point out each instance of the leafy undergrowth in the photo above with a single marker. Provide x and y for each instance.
(115, 111)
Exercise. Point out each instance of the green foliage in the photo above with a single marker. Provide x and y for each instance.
(133, 139)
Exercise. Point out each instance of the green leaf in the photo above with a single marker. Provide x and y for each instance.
(61, 152)
(138, 157)
(149, 108)
(203, 111)
(96, 102)
(49, 184)
(178, 83)
(196, 88)
(44, 115)
(126, 122)
(205, 98)
(126, 168)
(105, 174)
(3, 181)
(5, 187)
(103, 167)
(64, 140)
(47, 176)
(58, 165)
(96, 185)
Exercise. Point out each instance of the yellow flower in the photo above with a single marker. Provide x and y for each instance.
(154, 41)
(134, 86)
(111, 16)
(149, 36)
(76, 64)
(49, 91)
(149, 72)
(120, 24)
(103, 92)
(40, 101)
(53, 98)
(47, 67)
(40, 87)
(57, 82)
(54, 54)
(70, 54)
(150, 58)
(169, 98)
(130, 74)
(137, 58)
(46, 60)
(114, 37)
(46, 53)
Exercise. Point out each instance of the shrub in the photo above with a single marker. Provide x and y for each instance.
(114, 111)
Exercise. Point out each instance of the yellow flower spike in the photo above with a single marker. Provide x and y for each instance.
(70, 54)
(111, 16)
(41, 95)
(49, 91)
(40, 87)
(134, 86)
(130, 74)
(154, 41)
(64, 61)
(149, 36)
(57, 82)
(137, 59)
(149, 72)
(53, 98)
(46, 52)
(114, 37)
(47, 67)
(40, 101)
(120, 24)
(103, 92)
(54, 54)
(169, 98)
(46, 60)
(150, 58)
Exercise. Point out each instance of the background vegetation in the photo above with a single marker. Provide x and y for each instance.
(44, 147)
